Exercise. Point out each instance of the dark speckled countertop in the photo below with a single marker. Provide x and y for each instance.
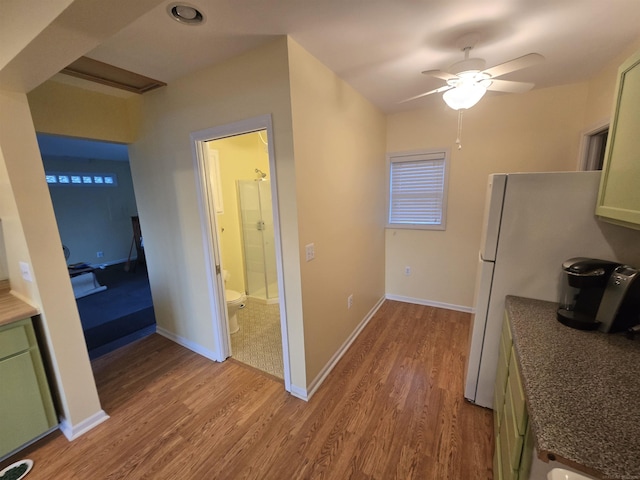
(582, 390)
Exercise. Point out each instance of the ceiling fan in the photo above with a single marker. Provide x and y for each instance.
(468, 80)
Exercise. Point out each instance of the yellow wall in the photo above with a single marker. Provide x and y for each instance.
(62, 109)
(162, 167)
(31, 236)
(239, 156)
(339, 146)
(602, 87)
(535, 131)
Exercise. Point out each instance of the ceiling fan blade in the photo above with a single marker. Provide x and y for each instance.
(439, 74)
(515, 64)
(437, 90)
(509, 86)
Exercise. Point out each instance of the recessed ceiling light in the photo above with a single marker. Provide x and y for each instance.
(185, 13)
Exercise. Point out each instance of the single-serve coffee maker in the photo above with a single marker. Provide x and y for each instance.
(599, 294)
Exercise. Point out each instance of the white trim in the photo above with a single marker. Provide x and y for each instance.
(299, 392)
(74, 431)
(215, 283)
(320, 378)
(429, 303)
(418, 155)
(194, 347)
(585, 140)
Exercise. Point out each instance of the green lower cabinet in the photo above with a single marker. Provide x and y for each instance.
(513, 441)
(26, 407)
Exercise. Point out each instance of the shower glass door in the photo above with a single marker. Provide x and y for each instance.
(258, 239)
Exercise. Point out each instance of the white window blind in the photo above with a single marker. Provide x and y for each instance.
(417, 196)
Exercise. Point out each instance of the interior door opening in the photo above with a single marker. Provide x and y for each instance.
(95, 207)
(238, 184)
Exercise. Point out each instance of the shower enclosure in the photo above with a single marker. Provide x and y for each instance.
(258, 241)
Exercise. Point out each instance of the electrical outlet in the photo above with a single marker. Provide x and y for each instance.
(310, 252)
(407, 271)
(99, 254)
(26, 271)
(350, 301)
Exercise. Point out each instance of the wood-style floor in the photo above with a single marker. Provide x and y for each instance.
(393, 408)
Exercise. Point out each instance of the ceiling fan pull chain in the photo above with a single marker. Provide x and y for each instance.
(459, 138)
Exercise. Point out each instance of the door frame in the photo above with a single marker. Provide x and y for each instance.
(211, 241)
(585, 162)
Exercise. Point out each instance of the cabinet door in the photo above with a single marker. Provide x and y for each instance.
(23, 415)
(619, 196)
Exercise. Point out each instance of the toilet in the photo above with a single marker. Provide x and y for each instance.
(235, 301)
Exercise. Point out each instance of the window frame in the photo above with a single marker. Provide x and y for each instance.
(442, 154)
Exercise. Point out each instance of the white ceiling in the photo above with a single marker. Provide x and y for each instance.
(381, 46)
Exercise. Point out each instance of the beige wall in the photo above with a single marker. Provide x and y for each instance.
(162, 166)
(239, 156)
(31, 236)
(62, 109)
(339, 145)
(535, 131)
(602, 89)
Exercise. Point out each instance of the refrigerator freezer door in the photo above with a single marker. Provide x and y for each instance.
(484, 278)
(492, 216)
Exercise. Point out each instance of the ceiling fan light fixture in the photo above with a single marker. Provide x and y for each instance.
(185, 13)
(464, 96)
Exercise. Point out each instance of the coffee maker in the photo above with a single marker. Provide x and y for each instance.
(599, 294)
(620, 305)
(585, 283)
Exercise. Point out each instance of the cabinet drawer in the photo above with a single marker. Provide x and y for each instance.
(517, 395)
(497, 415)
(497, 461)
(506, 332)
(13, 340)
(510, 434)
(502, 373)
(508, 472)
(23, 415)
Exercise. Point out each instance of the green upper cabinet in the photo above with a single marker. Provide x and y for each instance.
(619, 197)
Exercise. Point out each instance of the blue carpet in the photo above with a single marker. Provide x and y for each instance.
(121, 313)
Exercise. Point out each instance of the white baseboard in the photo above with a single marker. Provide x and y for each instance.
(194, 347)
(74, 431)
(428, 303)
(299, 392)
(320, 378)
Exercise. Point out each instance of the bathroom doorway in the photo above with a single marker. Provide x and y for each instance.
(238, 188)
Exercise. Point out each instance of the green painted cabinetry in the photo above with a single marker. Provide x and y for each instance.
(513, 439)
(619, 196)
(26, 407)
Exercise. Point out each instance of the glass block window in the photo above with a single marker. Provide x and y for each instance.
(82, 179)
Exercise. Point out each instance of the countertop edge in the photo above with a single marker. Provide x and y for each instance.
(12, 308)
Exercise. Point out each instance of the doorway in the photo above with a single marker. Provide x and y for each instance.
(94, 203)
(239, 211)
(593, 147)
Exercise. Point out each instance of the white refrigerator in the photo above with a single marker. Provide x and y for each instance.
(532, 223)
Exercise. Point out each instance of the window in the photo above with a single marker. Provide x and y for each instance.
(418, 189)
(82, 179)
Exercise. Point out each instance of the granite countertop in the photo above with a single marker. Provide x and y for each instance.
(582, 391)
(12, 308)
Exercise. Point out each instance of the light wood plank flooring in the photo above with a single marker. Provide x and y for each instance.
(393, 408)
